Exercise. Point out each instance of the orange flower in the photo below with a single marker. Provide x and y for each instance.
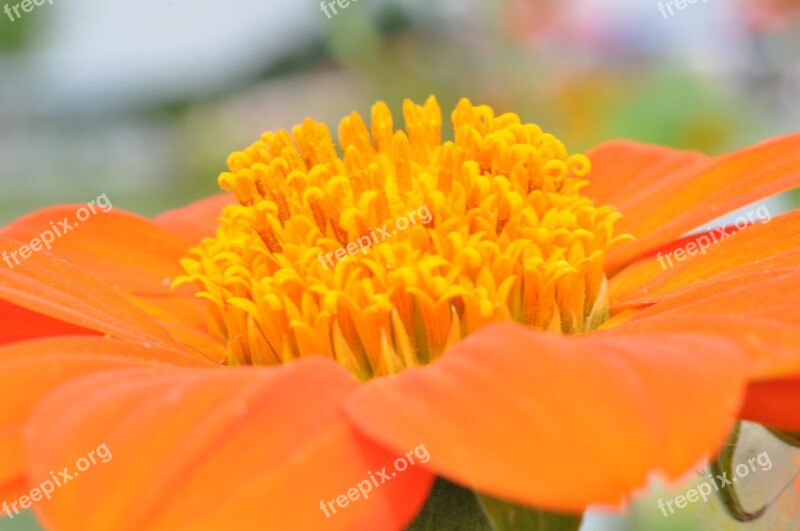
(300, 368)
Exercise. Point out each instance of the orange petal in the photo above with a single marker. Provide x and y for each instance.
(623, 171)
(775, 403)
(185, 319)
(761, 247)
(31, 369)
(646, 268)
(771, 346)
(125, 250)
(668, 204)
(12, 491)
(50, 286)
(198, 220)
(235, 448)
(755, 293)
(189, 311)
(19, 323)
(750, 306)
(560, 422)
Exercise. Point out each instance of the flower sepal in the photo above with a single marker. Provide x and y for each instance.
(507, 516)
(787, 437)
(722, 466)
(452, 507)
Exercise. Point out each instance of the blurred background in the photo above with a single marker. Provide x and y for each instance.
(143, 101)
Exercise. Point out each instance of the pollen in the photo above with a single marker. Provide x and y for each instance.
(386, 248)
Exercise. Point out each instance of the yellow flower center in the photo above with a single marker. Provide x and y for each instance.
(383, 254)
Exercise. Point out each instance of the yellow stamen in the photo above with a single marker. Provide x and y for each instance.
(489, 227)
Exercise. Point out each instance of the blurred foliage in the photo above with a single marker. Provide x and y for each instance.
(15, 35)
(25, 521)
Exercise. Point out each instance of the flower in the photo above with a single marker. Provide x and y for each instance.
(525, 331)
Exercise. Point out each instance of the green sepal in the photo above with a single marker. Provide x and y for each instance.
(787, 437)
(723, 465)
(505, 516)
(450, 507)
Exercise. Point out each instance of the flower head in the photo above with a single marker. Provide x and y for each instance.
(484, 302)
(490, 227)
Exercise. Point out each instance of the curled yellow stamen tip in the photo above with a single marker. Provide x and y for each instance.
(384, 253)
